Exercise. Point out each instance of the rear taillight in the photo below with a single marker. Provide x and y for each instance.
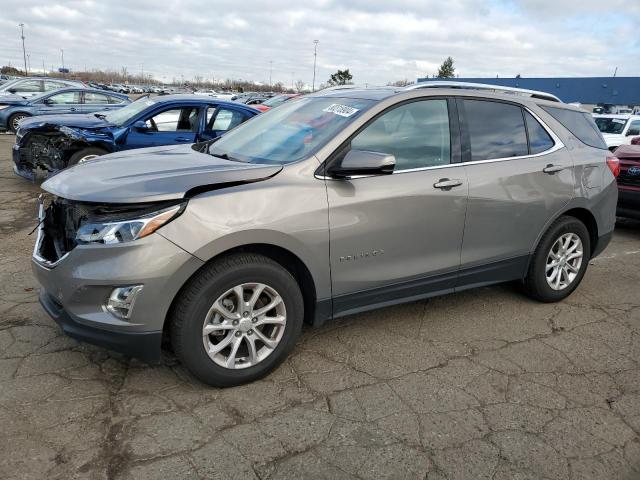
(614, 165)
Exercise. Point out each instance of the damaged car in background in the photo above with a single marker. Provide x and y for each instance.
(54, 142)
(63, 101)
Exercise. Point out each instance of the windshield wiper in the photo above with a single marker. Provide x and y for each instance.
(224, 156)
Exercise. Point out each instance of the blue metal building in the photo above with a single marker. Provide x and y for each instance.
(585, 90)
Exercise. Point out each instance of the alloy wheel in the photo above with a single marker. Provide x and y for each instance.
(564, 261)
(244, 325)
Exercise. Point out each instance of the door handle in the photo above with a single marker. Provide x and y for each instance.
(551, 169)
(72, 109)
(183, 139)
(447, 184)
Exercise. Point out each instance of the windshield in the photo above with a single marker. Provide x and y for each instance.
(275, 101)
(611, 125)
(295, 130)
(123, 115)
(9, 84)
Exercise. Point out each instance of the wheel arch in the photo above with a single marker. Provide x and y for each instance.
(284, 257)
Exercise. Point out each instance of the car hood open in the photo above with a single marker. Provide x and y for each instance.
(152, 174)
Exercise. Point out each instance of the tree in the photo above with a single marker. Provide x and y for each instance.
(446, 69)
(399, 83)
(299, 86)
(341, 77)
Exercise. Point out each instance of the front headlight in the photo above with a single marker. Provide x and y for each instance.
(126, 230)
(3, 106)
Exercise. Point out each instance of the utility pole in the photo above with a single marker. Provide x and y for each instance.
(315, 57)
(270, 72)
(24, 52)
(44, 70)
(62, 54)
(142, 68)
(28, 63)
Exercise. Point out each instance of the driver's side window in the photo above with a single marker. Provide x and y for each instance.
(416, 133)
(174, 120)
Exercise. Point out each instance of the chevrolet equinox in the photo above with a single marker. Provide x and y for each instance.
(331, 204)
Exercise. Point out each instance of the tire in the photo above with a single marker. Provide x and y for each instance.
(193, 308)
(14, 119)
(82, 155)
(536, 284)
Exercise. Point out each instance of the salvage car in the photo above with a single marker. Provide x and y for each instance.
(329, 205)
(63, 101)
(54, 142)
(629, 181)
(618, 129)
(31, 86)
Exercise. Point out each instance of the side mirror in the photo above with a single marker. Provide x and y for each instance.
(12, 90)
(141, 126)
(47, 101)
(633, 132)
(361, 162)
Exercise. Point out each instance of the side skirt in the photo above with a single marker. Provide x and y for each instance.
(419, 289)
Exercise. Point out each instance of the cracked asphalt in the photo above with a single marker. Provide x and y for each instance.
(480, 385)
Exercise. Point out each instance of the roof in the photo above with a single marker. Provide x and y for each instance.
(590, 90)
(626, 116)
(178, 97)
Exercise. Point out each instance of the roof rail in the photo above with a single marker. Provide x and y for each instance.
(485, 86)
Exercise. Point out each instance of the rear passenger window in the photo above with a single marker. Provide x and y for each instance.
(416, 133)
(539, 139)
(496, 130)
(581, 124)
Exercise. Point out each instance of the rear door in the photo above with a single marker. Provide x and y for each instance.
(399, 236)
(520, 176)
(96, 102)
(220, 119)
(169, 126)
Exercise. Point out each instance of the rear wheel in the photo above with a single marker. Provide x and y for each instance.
(14, 121)
(237, 320)
(85, 154)
(560, 261)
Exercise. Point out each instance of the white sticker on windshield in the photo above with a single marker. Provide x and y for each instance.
(342, 110)
(618, 120)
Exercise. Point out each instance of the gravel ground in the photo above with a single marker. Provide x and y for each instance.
(480, 385)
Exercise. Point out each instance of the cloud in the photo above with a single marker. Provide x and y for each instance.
(379, 41)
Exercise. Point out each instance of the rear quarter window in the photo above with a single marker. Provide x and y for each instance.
(581, 124)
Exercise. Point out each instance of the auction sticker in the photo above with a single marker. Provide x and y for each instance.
(342, 110)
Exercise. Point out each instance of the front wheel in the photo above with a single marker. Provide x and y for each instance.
(15, 119)
(236, 320)
(84, 155)
(560, 261)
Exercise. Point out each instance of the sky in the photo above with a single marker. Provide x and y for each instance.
(379, 41)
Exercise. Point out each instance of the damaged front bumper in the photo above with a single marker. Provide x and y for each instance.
(22, 167)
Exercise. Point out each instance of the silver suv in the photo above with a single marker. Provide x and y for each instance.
(331, 204)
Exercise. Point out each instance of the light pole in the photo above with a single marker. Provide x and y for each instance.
(24, 52)
(315, 57)
(62, 54)
(270, 72)
(28, 63)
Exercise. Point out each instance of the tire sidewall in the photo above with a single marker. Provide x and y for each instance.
(562, 227)
(194, 354)
(75, 158)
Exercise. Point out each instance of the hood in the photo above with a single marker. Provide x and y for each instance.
(152, 174)
(69, 120)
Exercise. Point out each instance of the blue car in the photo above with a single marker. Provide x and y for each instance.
(65, 100)
(54, 142)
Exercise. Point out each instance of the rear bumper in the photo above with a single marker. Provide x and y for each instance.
(142, 345)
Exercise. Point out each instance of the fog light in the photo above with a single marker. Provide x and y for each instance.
(121, 301)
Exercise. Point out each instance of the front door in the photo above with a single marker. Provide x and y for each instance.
(519, 178)
(171, 126)
(219, 120)
(399, 236)
(60, 103)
